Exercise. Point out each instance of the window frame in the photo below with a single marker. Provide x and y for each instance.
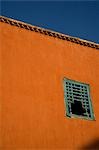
(67, 113)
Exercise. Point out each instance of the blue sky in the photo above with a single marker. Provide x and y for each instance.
(75, 18)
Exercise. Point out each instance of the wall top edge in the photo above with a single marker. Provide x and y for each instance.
(48, 32)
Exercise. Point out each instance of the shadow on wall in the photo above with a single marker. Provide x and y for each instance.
(93, 145)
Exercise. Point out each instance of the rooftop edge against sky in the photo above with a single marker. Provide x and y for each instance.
(48, 32)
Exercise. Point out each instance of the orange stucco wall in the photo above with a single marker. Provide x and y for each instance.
(33, 66)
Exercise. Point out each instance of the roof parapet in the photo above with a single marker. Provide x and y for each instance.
(48, 32)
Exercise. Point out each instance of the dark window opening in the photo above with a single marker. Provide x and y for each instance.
(77, 108)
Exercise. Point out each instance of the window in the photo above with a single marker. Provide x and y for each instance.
(77, 99)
